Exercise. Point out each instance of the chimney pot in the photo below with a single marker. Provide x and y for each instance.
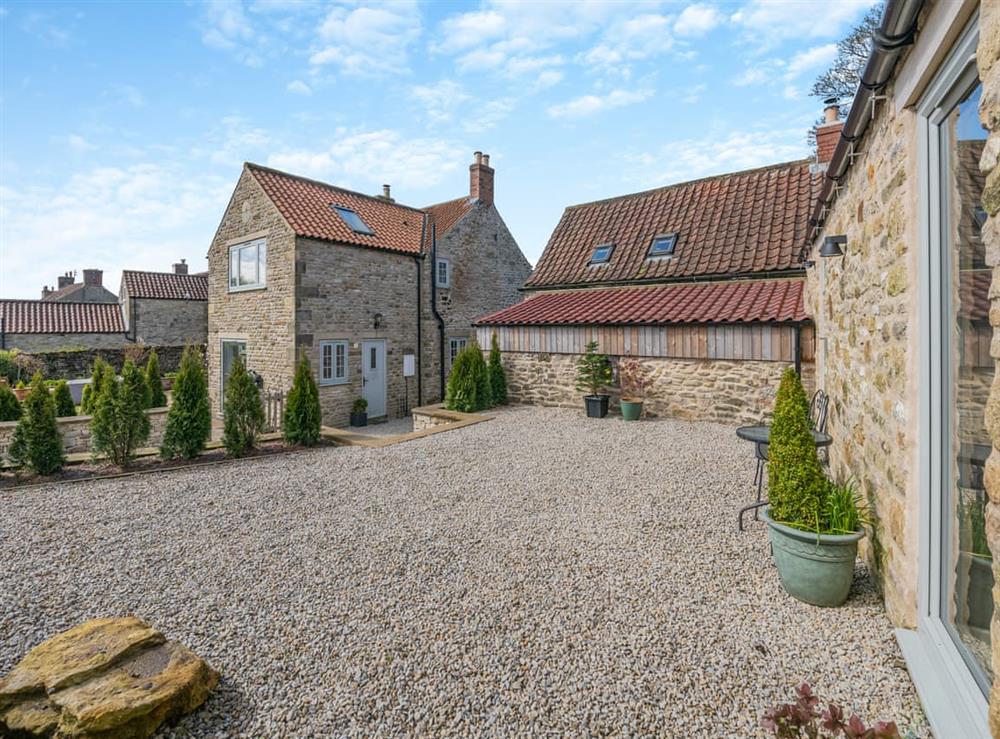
(385, 190)
(486, 160)
(65, 280)
(181, 268)
(831, 111)
(481, 179)
(479, 157)
(46, 291)
(93, 277)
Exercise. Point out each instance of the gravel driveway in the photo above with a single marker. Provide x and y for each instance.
(538, 573)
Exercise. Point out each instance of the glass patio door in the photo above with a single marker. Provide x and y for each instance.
(230, 350)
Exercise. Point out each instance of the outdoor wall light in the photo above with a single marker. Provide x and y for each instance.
(377, 320)
(831, 246)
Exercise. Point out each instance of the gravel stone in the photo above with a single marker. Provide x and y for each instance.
(540, 573)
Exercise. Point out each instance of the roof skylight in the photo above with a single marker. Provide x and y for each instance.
(353, 220)
(602, 254)
(663, 245)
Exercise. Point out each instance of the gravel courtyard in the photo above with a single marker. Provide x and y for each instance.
(540, 573)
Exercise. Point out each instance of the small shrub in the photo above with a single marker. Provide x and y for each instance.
(189, 420)
(10, 408)
(633, 379)
(593, 371)
(360, 406)
(797, 487)
(120, 424)
(8, 367)
(498, 378)
(803, 718)
(63, 399)
(468, 387)
(157, 398)
(243, 412)
(301, 424)
(85, 399)
(102, 372)
(37, 444)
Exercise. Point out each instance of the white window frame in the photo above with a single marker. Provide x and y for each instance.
(442, 262)
(260, 280)
(461, 342)
(953, 700)
(334, 378)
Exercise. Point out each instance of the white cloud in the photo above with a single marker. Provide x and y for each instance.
(786, 18)
(298, 87)
(810, 58)
(440, 100)
(78, 143)
(697, 20)
(466, 30)
(225, 26)
(371, 39)
(588, 105)
(234, 141)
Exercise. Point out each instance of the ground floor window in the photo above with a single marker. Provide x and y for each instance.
(455, 345)
(332, 362)
(231, 348)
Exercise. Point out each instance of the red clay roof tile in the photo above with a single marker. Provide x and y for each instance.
(45, 317)
(447, 214)
(165, 285)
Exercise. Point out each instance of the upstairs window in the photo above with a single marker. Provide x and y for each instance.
(443, 275)
(663, 245)
(602, 254)
(248, 265)
(353, 220)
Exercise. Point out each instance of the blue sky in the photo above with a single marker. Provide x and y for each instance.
(123, 126)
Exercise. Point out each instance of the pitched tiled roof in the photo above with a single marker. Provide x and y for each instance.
(307, 205)
(752, 221)
(445, 215)
(65, 291)
(44, 317)
(165, 285)
(707, 302)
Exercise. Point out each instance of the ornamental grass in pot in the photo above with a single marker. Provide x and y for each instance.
(633, 381)
(814, 524)
(593, 374)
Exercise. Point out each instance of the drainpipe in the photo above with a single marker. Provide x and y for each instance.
(434, 307)
(418, 261)
(3, 332)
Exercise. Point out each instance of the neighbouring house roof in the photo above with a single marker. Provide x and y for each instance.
(46, 317)
(165, 285)
(307, 206)
(80, 292)
(447, 214)
(754, 221)
(745, 301)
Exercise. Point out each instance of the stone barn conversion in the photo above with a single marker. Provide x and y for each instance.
(702, 280)
(165, 308)
(35, 326)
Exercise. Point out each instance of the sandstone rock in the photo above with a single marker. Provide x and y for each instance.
(108, 678)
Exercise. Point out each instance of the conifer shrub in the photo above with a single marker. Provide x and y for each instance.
(64, 400)
(469, 387)
(10, 407)
(593, 370)
(120, 424)
(154, 381)
(37, 444)
(243, 412)
(301, 423)
(102, 371)
(498, 378)
(797, 486)
(189, 420)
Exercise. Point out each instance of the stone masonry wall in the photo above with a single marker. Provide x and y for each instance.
(264, 318)
(79, 363)
(75, 432)
(731, 392)
(488, 268)
(867, 324)
(169, 322)
(61, 342)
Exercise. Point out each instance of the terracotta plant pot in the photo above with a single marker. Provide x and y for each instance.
(21, 393)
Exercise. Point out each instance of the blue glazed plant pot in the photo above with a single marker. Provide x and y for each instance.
(631, 409)
(815, 568)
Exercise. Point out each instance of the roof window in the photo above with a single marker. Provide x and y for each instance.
(353, 220)
(663, 245)
(602, 254)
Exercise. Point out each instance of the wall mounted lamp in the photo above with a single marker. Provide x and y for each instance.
(831, 246)
(377, 320)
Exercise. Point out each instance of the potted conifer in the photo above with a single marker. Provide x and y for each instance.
(593, 374)
(633, 382)
(814, 525)
(359, 412)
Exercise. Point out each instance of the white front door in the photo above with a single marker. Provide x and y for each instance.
(373, 376)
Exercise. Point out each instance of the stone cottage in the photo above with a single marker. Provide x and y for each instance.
(165, 308)
(906, 242)
(701, 280)
(91, 290)
(375, 293)
(43, 326)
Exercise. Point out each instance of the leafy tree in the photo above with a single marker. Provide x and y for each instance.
(64, 400)
(120, 424)
(189, 420)
(498, 378)
(244, 414)
(469, 388)
(10, 408)
(37, 444)
(593, 370)
(8, 367)
(102, 372)
(301, 424)
(157, 398)
(797, 487)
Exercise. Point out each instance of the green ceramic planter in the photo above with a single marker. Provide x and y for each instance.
(816, 569)
(631, 409)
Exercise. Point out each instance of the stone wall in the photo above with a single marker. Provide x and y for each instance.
(487, 270)
(75, 432)
(264, 318)
(167, 322)
(730, 392)
(61, 342)
(78, 363)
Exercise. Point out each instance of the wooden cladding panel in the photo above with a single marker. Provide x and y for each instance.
(759, 341)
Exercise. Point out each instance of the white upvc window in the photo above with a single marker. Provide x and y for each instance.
(332, 362)
(248, 265)
(443, 272)
(455, 345)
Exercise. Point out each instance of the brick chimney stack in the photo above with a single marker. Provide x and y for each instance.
(93, 277)
(386, 196)
(180, 268)
(46, 291)
(828, 132)
(65, 280)
(481, 179)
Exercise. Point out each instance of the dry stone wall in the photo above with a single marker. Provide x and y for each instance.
(75, 364)
(75, 431)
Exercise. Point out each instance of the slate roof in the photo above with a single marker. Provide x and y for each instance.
(45, 317)
(307, 206)
(447, 214)
(734, 224)
(165, 285)
(745, 301)
(80, 292)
